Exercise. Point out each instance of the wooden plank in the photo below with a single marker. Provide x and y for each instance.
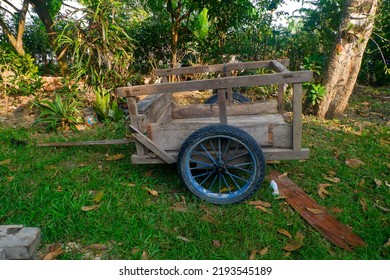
(152, 146)
(170, 136)
(217, 67)
(337, 233)
(281, 99)
(85, 143)
(222, 106)
(281, 135)
(218, 83)
(208, 110)
(135, 121)
(285, 154)
(297, 117)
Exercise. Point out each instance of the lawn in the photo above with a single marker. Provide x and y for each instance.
(94, 204)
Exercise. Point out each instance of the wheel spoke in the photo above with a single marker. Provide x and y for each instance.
(201, 154)
(207, 152)
(226, 183)
(219, 150)
(202, 163)
(213, 182)
(238, 177)
(205, 180)
(238, 168)
(234, 181)
(237, 156)
(204, 174)
(226, 149)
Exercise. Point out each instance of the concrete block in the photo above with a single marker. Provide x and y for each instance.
(2, 254)
(18, 242)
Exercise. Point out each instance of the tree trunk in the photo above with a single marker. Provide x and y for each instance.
(345, 61)
(44, 15)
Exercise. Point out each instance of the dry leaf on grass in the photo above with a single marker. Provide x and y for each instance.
(152, 192)
(264, 251)
(98, 197)
(387, 244)
(332, 179)
(290, 247)
(129, 184)
(252, 256)
(145, 256)
(361, 183)
(5, 162)
(10, 179)
(183, 238)
(207, 210)
(285, 232)
(363, 203)
(263, 209)
(259, 202)
(55, 251)
(299, 236)
(115, 157)
(315, 210)
(179, 207)
(336, 210)
(354, 162)
(217, 244)
(322, 192)
(90, 207)
(282, 175)
(378, 182)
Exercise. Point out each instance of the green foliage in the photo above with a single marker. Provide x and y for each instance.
(18, 73)
(201, 26)
(315, 93)
(60, 113)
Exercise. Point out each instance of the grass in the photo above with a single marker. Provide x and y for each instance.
(47, 188)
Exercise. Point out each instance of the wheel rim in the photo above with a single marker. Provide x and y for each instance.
(221, 166)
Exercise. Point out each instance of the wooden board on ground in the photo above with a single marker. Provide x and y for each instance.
(321, 220)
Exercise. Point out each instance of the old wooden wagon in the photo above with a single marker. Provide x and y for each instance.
(221, 148)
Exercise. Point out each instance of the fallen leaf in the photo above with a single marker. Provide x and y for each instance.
(315, 211)
(387, 244)
(299, 236)
(226, 190)
(115, 157)
(282, 175)
(378, 182)
(55, 251)
(98, 197)
(332, 179)
(135, 251)
(129, 184)
(253, 255)
(259, 202)
(285, 232)
(264, 251)
(361, 183)
(322, 192)
(183, 238)
(90, 207)
(262, 209)
(292, 247)
(287, 254)
(217, 243)
(145, 256)
(179, 207)
(59, 189)
(152, 192)
(337, 210)
(82, 165)
(97, 247)
(354, 162)
(207, 210)
(382, 208)
(363, 203)
(10, 179)
(5, 162)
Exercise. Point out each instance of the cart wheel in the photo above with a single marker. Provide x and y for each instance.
(221, 164)
(237, 98)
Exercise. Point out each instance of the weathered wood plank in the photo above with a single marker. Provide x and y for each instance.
(142, 139)
(337, 233)
(281, 99)
(218, 83)
(222, 106)
(208, 110)
(85, 143)
(217, 67)
(135, 121)
(297, 117)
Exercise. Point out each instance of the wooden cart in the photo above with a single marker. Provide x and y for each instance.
(221, 148)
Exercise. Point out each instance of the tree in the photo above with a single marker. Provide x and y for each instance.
(345, 61)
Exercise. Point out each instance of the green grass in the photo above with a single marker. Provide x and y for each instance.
(47, 187)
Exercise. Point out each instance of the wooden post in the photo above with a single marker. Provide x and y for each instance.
(297, 117)
(281, 99)
(133, 112)
(222, 105)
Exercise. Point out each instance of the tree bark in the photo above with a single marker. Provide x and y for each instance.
(345, 61)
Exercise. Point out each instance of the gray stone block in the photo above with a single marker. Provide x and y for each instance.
(2, 255)
(18, 242)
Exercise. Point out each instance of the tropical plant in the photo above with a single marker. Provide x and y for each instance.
(59, 114)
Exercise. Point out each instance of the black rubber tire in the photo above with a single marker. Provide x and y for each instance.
(237, 98)
(248, 167)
